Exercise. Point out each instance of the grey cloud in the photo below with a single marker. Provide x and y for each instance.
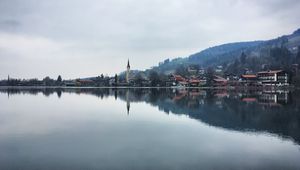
(146, 31)
(9, 25)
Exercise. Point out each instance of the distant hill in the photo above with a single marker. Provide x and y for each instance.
(226, 54)
(222, 52)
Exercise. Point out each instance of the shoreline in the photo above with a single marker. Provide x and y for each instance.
(267, 88)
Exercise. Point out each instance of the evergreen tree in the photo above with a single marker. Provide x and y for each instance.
(181, 70)
(59, 79)
(154, 78)
(298, 56)
(139, 79)
(210, 76)
(116, 79)
(48, 81)
(243, 58)
(282, 57)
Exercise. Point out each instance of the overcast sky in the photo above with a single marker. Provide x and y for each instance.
(82, 38)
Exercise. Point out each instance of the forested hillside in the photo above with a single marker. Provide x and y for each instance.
(235, 58)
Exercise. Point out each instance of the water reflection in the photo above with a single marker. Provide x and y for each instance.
(275, 112)
(148, 129)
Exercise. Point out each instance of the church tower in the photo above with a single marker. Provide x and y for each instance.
(127, 72)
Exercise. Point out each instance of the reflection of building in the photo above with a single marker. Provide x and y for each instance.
(249, 99)
(127, 72)
(180, 94)
(273, 98)
(276, 77)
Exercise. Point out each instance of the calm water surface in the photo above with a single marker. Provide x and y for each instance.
(148, 129)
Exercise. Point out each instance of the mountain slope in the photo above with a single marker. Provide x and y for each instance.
(222, 52)
(227, 53)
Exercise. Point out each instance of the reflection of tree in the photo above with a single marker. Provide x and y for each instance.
(58, 93)
(242, 111)
(116, 94)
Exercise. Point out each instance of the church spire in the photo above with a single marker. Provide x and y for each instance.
(128, 65)
(127, 72)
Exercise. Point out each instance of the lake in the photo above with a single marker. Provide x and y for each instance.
(135, 129)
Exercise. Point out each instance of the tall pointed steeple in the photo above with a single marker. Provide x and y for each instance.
(128, 65)
(127, 72)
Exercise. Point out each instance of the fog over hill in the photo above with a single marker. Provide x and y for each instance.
(226, 54)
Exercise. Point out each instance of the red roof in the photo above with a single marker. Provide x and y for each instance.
(179, 78)
(249, 76)
(219, 79)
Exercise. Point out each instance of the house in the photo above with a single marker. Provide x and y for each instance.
(249, 79)
(85, 82)
(232, 77)
(197, 81)
(273, 78)
(219, 81)
(112, 81)
(179, 80)
(295, 68)
(70, 83)
(219, 69)
(192, 70)
(201, 71)
(233, 80)
(202, 82)
(194, 82)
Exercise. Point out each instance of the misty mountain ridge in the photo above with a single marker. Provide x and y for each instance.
(226, 54)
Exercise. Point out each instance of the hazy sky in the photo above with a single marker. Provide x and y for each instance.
(81, 38)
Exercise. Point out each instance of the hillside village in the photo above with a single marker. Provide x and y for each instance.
(255, 64)
(191, 77)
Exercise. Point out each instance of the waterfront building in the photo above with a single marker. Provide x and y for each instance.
(249, 79)
(273, 77)
(219, 81)
(179, 80)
